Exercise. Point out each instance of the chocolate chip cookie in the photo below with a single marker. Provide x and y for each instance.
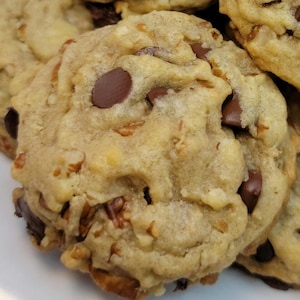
(277, 261)
(270, 31)
(153, 155)
(128, 7)
(31, 32)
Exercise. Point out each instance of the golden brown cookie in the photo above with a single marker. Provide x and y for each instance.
(154, 153)
(276, 260)
(31, 32)
(270, 32)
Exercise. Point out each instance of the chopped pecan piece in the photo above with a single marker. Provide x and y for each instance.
(116, 211)
(20, 161)
(123, 286)
(129, 129)
(86, 218)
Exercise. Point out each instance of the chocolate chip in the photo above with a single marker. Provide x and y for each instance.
(265, 252)
(250, 190)
(147, 51)
(181, 284)
(35, 226)
(200, 51)
(11, 121)
(103, 13)
(156, 93)
(297, 14)
(275, 283)
(147, 196)
(231, 111)
(111, 88)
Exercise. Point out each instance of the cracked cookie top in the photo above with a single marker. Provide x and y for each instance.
(154, 152)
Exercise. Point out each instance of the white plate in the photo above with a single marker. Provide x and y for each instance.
(28, 274)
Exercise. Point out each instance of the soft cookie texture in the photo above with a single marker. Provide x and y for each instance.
(277, 260)
(153, 154)
(270, 31)
(31, 32)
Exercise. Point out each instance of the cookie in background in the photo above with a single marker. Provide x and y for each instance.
(270, 32)
(29, 39)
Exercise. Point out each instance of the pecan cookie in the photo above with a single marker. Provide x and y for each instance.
(153, 154)
(31, 32)
(277, 260)
(128, 7)
(270, 31)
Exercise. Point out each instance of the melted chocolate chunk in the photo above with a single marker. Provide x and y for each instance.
(297, 14)
(156, 93)
(250, 190)
(289, 32)
(265, 252)
(111, 88)
(200, 51)
(147, 196)
(103, 14)
(11, 121)
(231, 111)
(181, 284)
(35, 226)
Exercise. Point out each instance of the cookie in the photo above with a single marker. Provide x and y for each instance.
(24, 49)
(128, 7)
(270, 32)
(276, 260)
(153, 155)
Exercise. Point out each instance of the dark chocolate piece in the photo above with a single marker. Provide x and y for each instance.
(147, 196)
(156, 93)
(250, 190)
(35, 226)
(181, 284)
(11, 121)
(200, 51)
(111, 88)
(232, 111)
(265, 252)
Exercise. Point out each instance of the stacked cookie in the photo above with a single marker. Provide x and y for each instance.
(149, 150)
